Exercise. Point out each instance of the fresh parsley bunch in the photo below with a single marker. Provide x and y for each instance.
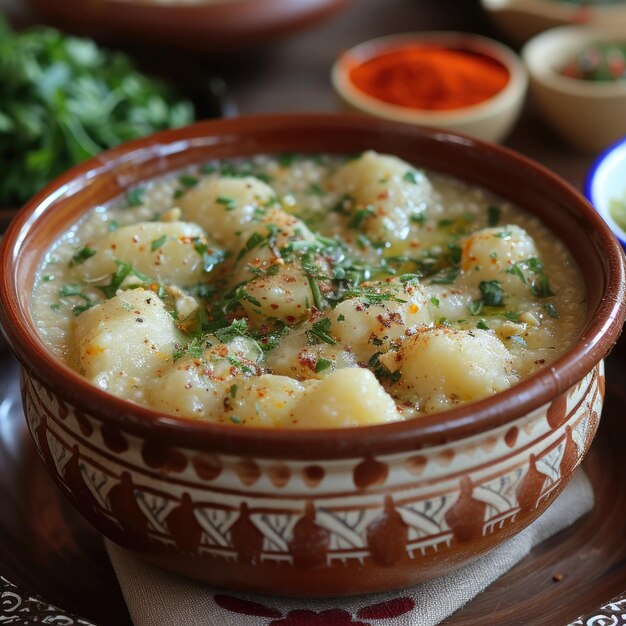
(63, 100)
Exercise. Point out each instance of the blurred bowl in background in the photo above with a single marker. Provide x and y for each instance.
(520, 20)
(589, 115)
(490, 119)
(605, 188)
(193, 25)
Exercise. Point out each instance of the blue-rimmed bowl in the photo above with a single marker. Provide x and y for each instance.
(606, 182)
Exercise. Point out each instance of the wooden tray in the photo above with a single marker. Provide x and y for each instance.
(48, 552)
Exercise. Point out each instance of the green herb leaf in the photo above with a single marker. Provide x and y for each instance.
(135, 196)
(322, 364)
(158, 243)
(320, 331)
(494, 214)
(492, 293)
(82, 255)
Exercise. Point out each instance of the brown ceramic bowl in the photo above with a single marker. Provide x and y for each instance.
(206, 26)
(326, 512)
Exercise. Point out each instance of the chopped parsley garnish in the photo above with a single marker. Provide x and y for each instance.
(158, 243)
(322, 364)
(188, 181)
(70, 290)
(228, 203)
(492, 293)
(210, 258)
(315, 190)
(494, 214)
(551, 310)
(359, 216)
(320, 331)
(286, 159)
(482, 325)
(82, 255)
(435, 301)
(256, 239)
(47, 278)
(235, 419)
(233, 391)
(380, 371)
(418, 218)
(121, 273)
(410, 176)
(541, 287)
(341, 317)
(135, 196)
(445, 277)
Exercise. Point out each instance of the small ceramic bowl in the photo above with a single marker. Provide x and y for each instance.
(588, 115)
(520, 20)
(606, 183)
(314, 512)
(205, 26)
(490, 120)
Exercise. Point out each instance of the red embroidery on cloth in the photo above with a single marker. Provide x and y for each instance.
(303, 617)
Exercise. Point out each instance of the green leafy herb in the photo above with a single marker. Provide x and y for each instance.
(113, 226)
(551, 310)
(70, 290)
(158, 243)
(256, 239)
(322, 364)
(410, 176)
(492, 293)
(320, 331)
(435, 301)
(210, 257)
(121, 273)
(541, 287)
(235, 419)
(82, 255)
(286, 159)
(359, 216)
(380, 371)
(135, 196)
(494, 214)
(315, 190)
(188, 181)
(64, 100)
(228, 203)
(482, 325)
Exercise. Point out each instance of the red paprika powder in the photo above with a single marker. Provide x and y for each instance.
(430, 77)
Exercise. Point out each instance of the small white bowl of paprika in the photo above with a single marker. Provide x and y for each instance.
(455, 81)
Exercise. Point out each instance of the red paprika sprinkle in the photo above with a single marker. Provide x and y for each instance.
(430, 77)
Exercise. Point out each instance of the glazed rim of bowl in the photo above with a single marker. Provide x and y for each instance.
(567, 41)
(593, 183)
(551, 8)
(484, 46)
(107, 176)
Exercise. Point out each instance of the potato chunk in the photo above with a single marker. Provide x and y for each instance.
(224, 206)
(186, 390)
(266, 400)
(124, 342)
(391, 190)
(492, 254)
(367, 323)
(441, 367)
(348, 397)
(161, 250)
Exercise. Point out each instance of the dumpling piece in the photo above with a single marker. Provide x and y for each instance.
(348, 397)
(266, 400)
(124, 342)
(441, 367)
(501, 254)
(224, 206)
(172, 252)
(381, 315)
(388, 191)
(298, 358)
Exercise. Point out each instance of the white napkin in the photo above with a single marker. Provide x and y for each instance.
(158, 598)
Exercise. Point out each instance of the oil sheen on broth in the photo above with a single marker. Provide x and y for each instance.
(307, 291)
